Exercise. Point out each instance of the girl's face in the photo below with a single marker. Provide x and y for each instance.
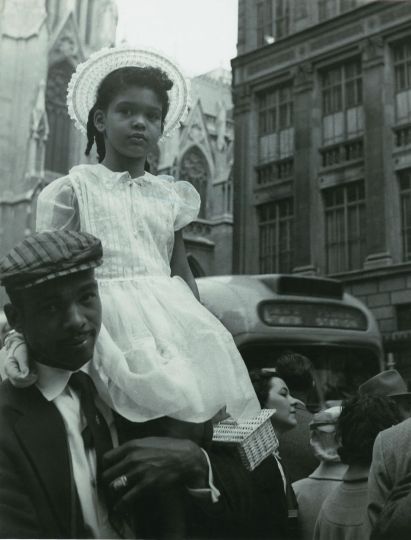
(279, 398)
(132, 123)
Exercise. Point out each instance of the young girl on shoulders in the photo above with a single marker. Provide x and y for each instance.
(160, 353)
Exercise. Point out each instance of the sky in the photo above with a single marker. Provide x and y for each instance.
(200, 34)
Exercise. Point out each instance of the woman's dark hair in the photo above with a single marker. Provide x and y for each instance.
(261, 380)
(118, 81)
(360, 421)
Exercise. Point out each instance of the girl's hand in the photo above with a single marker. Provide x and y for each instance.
(17, 367)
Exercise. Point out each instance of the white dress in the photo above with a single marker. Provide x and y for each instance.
(160, 352)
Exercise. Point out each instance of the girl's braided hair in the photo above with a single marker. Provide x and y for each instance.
(118, 81)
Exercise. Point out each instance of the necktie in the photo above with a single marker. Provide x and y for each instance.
(97, 433)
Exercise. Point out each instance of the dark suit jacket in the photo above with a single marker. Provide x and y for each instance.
(38, 497)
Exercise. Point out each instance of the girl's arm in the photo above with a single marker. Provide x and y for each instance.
(179, 263)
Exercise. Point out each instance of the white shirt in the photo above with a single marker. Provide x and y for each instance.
(53, 384)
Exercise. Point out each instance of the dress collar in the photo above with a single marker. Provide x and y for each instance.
(52, 381)
(112, 179)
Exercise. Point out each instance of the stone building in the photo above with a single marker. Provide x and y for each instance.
(41, 43)
(201, 151)
(322, 108)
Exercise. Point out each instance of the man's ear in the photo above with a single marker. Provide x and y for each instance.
(14, 317)
(99, 119)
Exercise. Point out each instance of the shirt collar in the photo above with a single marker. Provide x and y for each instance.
(52, 381)
(329, 471)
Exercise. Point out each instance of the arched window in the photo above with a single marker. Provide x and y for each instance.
(194, 169)
(58, 143)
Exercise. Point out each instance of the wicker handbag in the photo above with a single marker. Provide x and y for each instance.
(254, 437)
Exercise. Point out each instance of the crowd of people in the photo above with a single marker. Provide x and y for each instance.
(115, 375)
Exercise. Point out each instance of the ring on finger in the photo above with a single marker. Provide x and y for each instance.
(120, 482)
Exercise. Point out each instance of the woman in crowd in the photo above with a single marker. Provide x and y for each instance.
(343, 512)
(312, 491)
(273, 393)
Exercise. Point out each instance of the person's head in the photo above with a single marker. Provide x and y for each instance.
(360, 421)
(128, 116)
(323, 438)
(389, 383)
(273, 393)
(297, 371)
(54, 298)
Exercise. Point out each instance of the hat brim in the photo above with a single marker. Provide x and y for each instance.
(82, 88)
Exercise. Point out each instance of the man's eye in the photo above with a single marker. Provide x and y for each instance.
(126, 111)
(49, 308)
(88, 298)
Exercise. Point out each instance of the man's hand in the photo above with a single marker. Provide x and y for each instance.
(155, 463)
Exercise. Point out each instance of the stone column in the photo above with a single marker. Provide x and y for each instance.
(243, 210)
(304, 175)
(376, 143)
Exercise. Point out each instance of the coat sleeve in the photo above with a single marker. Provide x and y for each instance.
(395, 518)
(18, 517)
(379, 483)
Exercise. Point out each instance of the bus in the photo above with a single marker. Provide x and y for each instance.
(270, 314)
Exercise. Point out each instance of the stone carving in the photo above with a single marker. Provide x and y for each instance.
(39, 134)
(373, 48)
(220, 126)
(22, 19)
(194, 169)
(196, 133)
(303, 74)
(66, 46)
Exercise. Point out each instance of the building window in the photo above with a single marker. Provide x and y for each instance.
(58, 142)
(194, 169)
(402, 69)
(405, 197)
(327, 9)
(345, 227)
(342, 100)
(276, 132)
(273, 21)
(347, 5)
(403, 317)
(275, 223)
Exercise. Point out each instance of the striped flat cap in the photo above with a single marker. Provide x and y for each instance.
(48, 255)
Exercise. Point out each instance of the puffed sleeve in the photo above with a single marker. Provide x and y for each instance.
(187, 204)
(57, 207)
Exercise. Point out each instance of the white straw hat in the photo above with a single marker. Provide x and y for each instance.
(82, 88)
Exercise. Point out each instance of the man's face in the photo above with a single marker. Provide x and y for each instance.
(60, 320)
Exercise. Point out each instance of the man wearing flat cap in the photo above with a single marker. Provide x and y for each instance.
(60, 476)
(53, 434)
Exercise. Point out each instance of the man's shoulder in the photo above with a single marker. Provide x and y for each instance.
(396, 435)
(15, 400)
